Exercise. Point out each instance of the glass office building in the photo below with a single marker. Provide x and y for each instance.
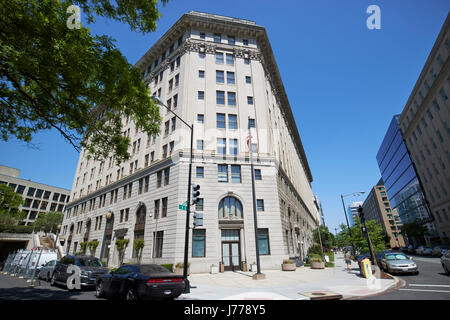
(399, 176)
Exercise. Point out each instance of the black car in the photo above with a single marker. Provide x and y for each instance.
(136, 282)
(90, 268)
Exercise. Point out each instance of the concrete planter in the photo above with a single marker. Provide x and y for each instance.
(179, 271)
(317, 265)
(288, 267)
(214, 269)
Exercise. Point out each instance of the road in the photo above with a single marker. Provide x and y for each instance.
(432, 283)
(13, 288)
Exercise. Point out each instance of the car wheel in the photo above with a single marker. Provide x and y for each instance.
(99, 291)
(131, 295)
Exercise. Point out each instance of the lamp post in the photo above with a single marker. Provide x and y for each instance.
(188, 206)
(346, 218)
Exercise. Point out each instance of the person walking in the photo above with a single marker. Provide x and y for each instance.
(348, 260)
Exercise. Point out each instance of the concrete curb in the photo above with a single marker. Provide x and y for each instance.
(399, 283)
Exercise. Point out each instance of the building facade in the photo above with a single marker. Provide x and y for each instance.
(425, 124)
(400, 179)
(352, 212)
(377, 207)
(38, 197)
(219, 74)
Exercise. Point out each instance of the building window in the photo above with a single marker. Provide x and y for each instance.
(158, 241)
(263, 241)
(198, 243)
(248, 79)
(258, 175)
(236, 173)
(233, 147)
(166, 176)
(201, 74)
(221, 146)
(231, 98)
(202, 35)
(245, 42)
(251, 123)
(201, 55)
(200, 118)
(201, 95)
(222, 175)
(220, 97)
(164, 153)
(246, 61)
(231, 40)
(220, 78)
(220, 121)
(230, 59)
(260, 204)
(230, 207)
(159, 179)
(230, 78)
(199, 144)
(217, 38)
(250, 100)
(232, 121)
(164, 207)
(219, 58)
(200, 171)
(156, 209)
(199, 205)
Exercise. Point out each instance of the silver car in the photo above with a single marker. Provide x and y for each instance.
(445, 261)
(439, 250)
(46, 271)
(397, 262)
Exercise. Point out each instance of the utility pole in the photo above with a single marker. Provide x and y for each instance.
(365, 233)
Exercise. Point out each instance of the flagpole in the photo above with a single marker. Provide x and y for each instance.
(258, 274)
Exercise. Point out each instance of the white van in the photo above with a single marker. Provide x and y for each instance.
(45, 256)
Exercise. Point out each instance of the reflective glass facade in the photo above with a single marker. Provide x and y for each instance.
(399, 176)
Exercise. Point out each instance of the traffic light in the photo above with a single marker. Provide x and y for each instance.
(198, 219)
(361, 215)
(195, 193)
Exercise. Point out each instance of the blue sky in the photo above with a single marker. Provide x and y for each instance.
(344, 83)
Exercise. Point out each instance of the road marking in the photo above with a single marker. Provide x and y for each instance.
(441, 291)
(429, 285)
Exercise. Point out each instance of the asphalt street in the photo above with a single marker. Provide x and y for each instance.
(432, 283)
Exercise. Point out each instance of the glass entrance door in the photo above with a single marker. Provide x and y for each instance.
(231, 250)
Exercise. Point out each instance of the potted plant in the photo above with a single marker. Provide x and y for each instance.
(122, 245)
(288, 265)
(138, 247)
(179, 268)
(83, 246)
(316, 263)
(214, 269)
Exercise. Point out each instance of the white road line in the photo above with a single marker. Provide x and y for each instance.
(429, 285)
(440, 291)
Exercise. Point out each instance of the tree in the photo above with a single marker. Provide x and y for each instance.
(377, 236)
(53, 77)
(326, 236)
(9, 206)
(121, 245)
(138, 247)
(92, 245)
(414, 231)
(48, 222)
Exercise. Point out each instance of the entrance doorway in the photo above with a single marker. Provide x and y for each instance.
(231, 249)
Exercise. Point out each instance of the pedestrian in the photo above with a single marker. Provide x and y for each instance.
(348, 260)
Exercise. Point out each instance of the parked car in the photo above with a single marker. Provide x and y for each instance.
(444, 251)
(404, 249)
(46, 271)
(397, 262)
(411, 249)
(445, 261)
(437, 251)
(136, 282)
(90, 267)
(423, 250)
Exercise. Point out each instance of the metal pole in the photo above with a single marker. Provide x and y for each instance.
(255, 220)
(348, 226)
(188, 213)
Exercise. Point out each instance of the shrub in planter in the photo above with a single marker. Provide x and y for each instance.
(179, 268)
(316, 263)
(288, 265)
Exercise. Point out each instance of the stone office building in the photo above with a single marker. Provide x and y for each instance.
(425, 125)
(219, 74)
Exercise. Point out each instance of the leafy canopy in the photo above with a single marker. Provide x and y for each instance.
(53, 77)
(9, 206)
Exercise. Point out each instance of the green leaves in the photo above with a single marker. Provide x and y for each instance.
(52, 77)
(9, 206)
(48, 222)
(377, 236)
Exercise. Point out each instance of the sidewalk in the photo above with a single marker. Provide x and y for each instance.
(285, 285)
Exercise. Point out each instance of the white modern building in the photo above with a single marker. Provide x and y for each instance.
(219, 74)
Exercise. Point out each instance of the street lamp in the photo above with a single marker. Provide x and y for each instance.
(346, 218)
(188, 206)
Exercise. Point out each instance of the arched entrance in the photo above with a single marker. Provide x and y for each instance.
(231, 223)
(139, 228)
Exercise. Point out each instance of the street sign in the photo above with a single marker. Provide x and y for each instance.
(183, 206)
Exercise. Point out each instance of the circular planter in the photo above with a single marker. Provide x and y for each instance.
(317, 265)
(288, 267)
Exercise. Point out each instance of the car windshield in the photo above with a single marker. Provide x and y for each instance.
(90, 262)
(153, 268)
(396, 257)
